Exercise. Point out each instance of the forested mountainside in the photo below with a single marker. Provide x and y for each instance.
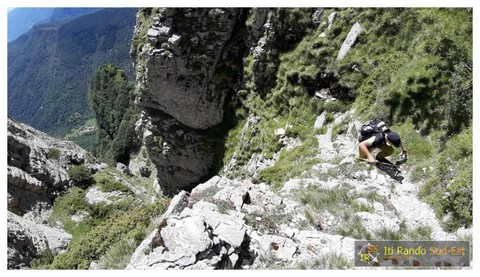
(49, 67)
(244, 154)
(20, 20)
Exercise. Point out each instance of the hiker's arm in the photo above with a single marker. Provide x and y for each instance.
(404, 153)
(364, 149)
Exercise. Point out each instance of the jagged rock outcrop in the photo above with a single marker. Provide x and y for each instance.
(37, 167)
(216, 227)
(269, 33)
(189, 64)
(36, 174)
(185, 73)
(182, 155)
(28, 240)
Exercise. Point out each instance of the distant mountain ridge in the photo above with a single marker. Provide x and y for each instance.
(20, 20)
(49, 67)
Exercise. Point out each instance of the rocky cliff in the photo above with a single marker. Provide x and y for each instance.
(37, 174)
(186, 69)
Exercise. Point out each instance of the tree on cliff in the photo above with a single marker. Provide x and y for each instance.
(111, 98)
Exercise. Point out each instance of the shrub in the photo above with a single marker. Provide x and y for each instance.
(53, 153)
(109, 236)
(109, 185)
(118, 256)
(80, 176)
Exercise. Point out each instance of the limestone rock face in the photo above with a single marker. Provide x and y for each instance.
(188, 67)
(187, 64)
(28, 240)
(182, 155)
(37, 167)
(225, 224)
(36, 174)
(350, 40)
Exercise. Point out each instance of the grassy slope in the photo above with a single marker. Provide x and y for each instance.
(109, 233)
(397, 70)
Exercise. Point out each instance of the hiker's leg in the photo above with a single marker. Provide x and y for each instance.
(385, 151)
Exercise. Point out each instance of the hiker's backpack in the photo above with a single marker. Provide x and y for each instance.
(370, 128)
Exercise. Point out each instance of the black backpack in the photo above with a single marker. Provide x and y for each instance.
(372, 127)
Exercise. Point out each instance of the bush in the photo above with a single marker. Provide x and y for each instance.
(80, 176)
(108, 235)
(53, 153)
(109, 185)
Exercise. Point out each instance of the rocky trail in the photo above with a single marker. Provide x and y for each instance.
(403, 197)
(240, 224)
(416, 212)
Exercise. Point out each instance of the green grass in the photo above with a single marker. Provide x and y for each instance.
(109, 236)
(68, 205)
(444, 166)
(146, 183)
(98, 215)
(404, 74)
(327, 261)
(118, 255)
(340, 201)
(335, 200)
(353, 227)
(268, 222)
(109, 233)
(291, 163)
(108, 185)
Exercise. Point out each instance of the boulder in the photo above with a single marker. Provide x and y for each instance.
(350, 40)
(331, 19)
(317, 16)
(123, 168)
(197, 238)
(28, 240)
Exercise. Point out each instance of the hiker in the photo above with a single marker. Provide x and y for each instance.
(375, 135)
